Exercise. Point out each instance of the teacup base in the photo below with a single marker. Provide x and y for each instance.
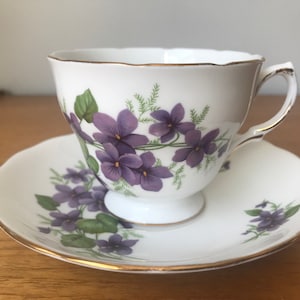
(154, 211)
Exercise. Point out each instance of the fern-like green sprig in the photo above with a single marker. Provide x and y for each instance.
(144, 105)
(197, 118)
(151, 101)
(123, 187)
(178, 174)
(57, 178)
(130, 106)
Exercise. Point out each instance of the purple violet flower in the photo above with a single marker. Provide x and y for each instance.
(119, 133)
(149, 176)
(73, 121)
(66, 221)
(115, 166)
(270, 221)
(198, 147)
(72, 196)
(96, 202)
(116, 244)
(77, 176)
(170, 123)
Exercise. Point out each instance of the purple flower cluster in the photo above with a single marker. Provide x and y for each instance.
(270, 221)
(76, 197)
(119, 132)
(119, 157)
(79, 195)
(132, 168)
(116, 244)
(66, 221)
(268, 217)
(148, 175)
(170, 123)
(197, 147)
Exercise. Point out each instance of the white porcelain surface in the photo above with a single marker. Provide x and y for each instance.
(158, 124)
(258, 177)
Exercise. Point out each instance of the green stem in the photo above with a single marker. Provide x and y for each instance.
(161, 146)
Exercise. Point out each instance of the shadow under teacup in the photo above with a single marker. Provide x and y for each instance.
(156, 125)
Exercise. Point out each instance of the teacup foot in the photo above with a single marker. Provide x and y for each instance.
(147, 211)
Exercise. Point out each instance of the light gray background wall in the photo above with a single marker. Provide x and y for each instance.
(30, 29)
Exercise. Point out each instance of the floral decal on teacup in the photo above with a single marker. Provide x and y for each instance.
(78, 216)
(128, 158)
(268, 217)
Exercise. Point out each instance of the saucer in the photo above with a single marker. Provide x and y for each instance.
(51, 203)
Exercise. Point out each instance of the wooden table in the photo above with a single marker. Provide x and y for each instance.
(25, 274)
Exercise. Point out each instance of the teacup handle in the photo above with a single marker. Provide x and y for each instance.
(257, 132)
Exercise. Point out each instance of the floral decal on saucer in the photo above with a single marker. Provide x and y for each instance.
(128, 158)
(77, 214)
(268, 217)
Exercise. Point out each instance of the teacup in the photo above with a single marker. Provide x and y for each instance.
(156, 125)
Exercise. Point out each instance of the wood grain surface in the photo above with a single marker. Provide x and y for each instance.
(25, 274)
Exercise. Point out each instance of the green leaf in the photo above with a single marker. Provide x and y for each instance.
(292, 211)
(102, 223)
(107, 219)
(90, 226)
(253, 212)
(93, 164)
(46, 202)
(77, 241)
(85, 106)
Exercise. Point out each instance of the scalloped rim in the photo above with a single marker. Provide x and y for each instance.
(58, 56)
